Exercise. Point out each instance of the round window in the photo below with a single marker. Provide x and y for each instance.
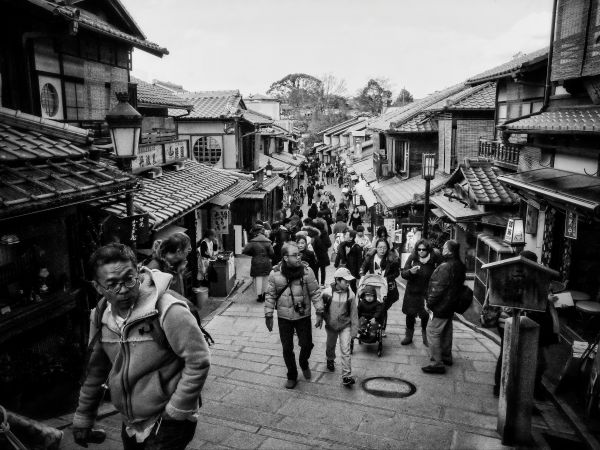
(207, 150)
(49, 99)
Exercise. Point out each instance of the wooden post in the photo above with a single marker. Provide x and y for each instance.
(519, 363)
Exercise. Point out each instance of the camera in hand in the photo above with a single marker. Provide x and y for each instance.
(299, 308)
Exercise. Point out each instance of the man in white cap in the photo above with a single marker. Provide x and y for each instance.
(341, 321)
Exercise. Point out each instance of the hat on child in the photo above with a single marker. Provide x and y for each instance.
(344, 273)
(370, 290)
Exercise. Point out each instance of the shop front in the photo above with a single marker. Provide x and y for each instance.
(47, 182)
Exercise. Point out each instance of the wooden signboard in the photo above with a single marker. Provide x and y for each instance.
(219, 220)
(519, 283)
(156, 155)
(531, 221)
(571, 225)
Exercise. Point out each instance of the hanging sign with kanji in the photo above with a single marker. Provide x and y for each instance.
(219, 220)
(571, 225)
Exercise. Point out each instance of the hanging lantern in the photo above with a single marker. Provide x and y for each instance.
(428, 166)
(515, 231)
(125, 125)
(269, 169)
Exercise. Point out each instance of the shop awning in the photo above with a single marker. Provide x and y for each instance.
(269, 184)
(366, 192)
(571, 189)
(455, 210)
(232, 193)
(395, 193)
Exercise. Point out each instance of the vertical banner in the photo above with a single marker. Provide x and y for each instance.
(220, 220)
(571, 225)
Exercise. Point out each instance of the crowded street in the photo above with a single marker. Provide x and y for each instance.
(272, 224)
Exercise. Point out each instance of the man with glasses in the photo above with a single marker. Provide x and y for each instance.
(291, 288)
(146, 345)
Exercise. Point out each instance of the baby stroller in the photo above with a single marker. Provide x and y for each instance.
(371, 333)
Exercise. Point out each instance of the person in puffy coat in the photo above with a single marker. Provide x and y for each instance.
(444, 286)
(262, 253)
(417, 271)
(291, 289)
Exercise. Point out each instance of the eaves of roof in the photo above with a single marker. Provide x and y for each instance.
(511, 67)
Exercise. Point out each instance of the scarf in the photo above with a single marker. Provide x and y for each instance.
(425, 260)
(292, 273)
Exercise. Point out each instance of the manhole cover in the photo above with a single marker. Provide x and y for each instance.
(388, 387)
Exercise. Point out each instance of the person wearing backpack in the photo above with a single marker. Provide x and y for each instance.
(442, 294)
(291, 289)
(147, 346)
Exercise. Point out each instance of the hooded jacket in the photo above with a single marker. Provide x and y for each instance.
(304, 290)
(261, 250)
(340, 309)
(146, 377)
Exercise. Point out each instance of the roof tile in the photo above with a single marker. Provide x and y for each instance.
(581, 120)
(514, 65)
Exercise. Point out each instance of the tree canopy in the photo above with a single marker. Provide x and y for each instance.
(297, 89)
(404, 98)
(374, 96)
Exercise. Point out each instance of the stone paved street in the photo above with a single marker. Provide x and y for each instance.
(245, 404)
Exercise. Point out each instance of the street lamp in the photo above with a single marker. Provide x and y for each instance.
(428, 174)
(269, 169)
(125, 125)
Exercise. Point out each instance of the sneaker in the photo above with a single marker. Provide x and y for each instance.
(307, 373)
(291, 384)
(330, 365)
(348, 381)
(447, 362)
(434, 369)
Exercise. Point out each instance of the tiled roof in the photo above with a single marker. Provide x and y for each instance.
(151, 94)
(294, 160)
(568, 120)
(455, 210)
(421, 123)
(395, 193)
(363, 165)
(471, 97)
(404, 114)
(278, 165)
(94, 23)
(484, 187)
(269, 183)
(213, 104)
(176, 193)
(255, 117)
(512, 66)
(36, 125)
(37, 186)
(344, 124)
(232, 193)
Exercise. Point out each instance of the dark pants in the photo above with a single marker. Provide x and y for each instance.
(286, 334)
(172, 434)
(309, 202)
(412, 318)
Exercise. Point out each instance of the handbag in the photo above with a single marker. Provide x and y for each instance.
(464, 298)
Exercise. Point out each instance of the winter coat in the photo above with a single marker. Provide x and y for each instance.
(320, 245)
(350, 256)
(261, 250)
(342, 215)
(146, 377)
(444, 285)
(340, 309)
(416, 284)
(391, 265)
(326, 212)
(313, 211)
(355, 221)
(371, 310)
(310, 190)
(304, 290)
(177, 283)
(340, 227)
(310, 258)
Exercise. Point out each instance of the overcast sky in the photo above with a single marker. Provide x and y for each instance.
(423, 45)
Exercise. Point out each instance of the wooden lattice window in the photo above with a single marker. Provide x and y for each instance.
(49, 100)
(207, 149)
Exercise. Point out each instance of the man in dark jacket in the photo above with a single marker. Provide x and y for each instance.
(350, 256)
(444, 286)
(310, 192)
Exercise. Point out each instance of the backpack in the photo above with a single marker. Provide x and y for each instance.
(464, 298)
(151, 325)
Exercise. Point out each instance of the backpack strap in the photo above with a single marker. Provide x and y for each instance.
(97, 322)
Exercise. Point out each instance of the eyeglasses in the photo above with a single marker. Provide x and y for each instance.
(422, 249)
(115, 287)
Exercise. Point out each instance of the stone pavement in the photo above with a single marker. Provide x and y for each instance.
(245, 404)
